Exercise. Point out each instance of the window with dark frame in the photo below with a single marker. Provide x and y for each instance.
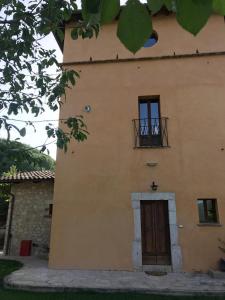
(207, 209)
(150, 129)
(50, 210)
(150, 122)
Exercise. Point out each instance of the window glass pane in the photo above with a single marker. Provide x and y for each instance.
(143, 110)
(144, 118)
(211, 211)
(153, 39)
(50, 210)
(155, 118)
(150, 42)
(154, 110)
(155, 127)
(201, 211)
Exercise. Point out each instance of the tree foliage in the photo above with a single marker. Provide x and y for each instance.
(4, 202)
(23, 157)
(26, 81)
(15, 157)
(135, 18)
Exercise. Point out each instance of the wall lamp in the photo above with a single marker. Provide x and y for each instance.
(154, 186)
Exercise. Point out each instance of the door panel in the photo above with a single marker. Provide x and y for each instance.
(155, 233)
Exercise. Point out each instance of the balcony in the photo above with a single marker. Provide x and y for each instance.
(150, 133)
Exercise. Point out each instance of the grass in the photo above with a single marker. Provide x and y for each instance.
(19, 295)
(8, 266)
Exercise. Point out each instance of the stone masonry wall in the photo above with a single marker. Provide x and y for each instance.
(31, 219)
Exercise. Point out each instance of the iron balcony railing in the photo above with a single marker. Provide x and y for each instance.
(150, 133)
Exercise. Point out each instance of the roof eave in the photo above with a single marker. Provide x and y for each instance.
(10, 181)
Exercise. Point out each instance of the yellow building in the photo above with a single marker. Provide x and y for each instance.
(147, 189)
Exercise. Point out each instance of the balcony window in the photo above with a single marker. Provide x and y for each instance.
(150, 128)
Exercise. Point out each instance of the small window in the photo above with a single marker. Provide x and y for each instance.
(207, 209)
(152, 40)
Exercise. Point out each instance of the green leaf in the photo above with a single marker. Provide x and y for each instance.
(219, 6)
(135, 25)
(155, 5)
(74, 34)
(71, 78)
(43, 148)
(93, 6)
(109, 10)
(90, 7)
(60, 34)
(170, 5)
(23, 132)
(192, 15)
(67, 15)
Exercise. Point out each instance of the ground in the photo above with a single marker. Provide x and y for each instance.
(7, 266)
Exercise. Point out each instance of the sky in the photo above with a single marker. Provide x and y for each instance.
(38, 138)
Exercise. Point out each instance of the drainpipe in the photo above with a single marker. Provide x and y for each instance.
(9, 225)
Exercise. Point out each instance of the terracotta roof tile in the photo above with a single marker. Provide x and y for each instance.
(28, 176)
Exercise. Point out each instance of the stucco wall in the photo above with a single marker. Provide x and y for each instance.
(93, 220)
(172, 39)
(30, 219)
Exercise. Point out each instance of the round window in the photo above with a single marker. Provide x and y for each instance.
(152, 40)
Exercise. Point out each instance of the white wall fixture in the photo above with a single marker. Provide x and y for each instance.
(151, 163)
(87, 108)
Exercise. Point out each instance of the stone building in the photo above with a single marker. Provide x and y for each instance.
(30, 210)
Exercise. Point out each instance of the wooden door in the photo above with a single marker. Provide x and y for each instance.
(155, 233)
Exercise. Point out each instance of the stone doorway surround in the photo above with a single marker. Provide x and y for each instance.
(176, 256)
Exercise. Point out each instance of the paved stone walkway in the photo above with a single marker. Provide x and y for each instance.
(35, 275)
